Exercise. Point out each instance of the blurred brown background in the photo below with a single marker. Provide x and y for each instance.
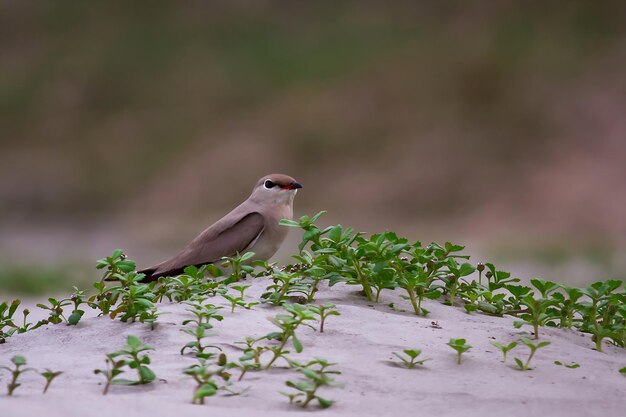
(496, 124)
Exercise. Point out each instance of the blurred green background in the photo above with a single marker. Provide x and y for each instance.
(496, 124)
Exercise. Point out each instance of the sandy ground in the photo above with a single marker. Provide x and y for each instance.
(360, 341)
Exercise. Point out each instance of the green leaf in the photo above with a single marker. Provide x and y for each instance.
(289, 223)
(75, 317)
(324, 403)
(18, 360)
(146, 374)
(296, 343)
(466, 269)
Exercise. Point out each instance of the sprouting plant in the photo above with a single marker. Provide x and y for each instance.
(252, 351)
(410, 357)
(622, 370)
(572, 365)
(55, 310)
(18, 369)
(238, 266)
(116, 265)
(7, 325)
(525, 366)
(135, 298)
(316, 376)
(196, 345)
(600, 294)
(288, 323)
(239, 300)
(246, 362)
(203, 313)
(204, 373)
(183, 287)
(285, 283)
(456, 273)
(323, 311)
(460, 347)
(49, 377)
(112, 370)
(567, 306)
(536, 313)
(504, 349)
(131, 356)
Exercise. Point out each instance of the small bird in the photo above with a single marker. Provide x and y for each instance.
(250, 227)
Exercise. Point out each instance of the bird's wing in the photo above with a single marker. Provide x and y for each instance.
(212, 245)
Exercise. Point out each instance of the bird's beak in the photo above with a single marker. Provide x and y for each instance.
(295, 185)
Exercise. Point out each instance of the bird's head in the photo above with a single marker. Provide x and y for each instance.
(276, 188)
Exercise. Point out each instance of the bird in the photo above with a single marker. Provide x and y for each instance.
(252, 226)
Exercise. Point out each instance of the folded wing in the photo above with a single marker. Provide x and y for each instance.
(211, 245)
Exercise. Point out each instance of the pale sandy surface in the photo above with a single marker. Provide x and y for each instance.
(360, 340)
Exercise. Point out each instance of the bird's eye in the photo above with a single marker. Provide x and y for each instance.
(268, 184)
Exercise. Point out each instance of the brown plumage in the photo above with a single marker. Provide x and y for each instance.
(250, 227)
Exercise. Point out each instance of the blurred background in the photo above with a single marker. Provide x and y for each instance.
(500, 125)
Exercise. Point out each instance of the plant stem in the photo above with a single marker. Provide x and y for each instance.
(366, 286)
(106, 387)
(412, 298)
(458, 361)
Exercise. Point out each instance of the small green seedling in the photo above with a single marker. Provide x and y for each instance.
(129, 355)
(504, 349)
(411, 357)
(525, 366)
(460, 347)
(18, 363)
(238, 265)
(252, 351)
(623, 370)
(239, 300)
(317, 376)
(572, 365)
(288, 323)
(49, 377)
(112, 370)
(323, 312)
(198, 333)
(203, 313)
(204, 373)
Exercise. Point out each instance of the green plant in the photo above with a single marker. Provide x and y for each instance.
(131, 356)
(203, 313)
(49, 376)
(116, 266)
(238, 266)
(525, 366)
(18, 369)
(135, 298)
(410, 358)
(112, 370)
(204, 373)
(7, 326)
(572, 365)
(252, 351)
(288, 323)
(536, 313)
(323, 311)
(598, 313)
(504, 349)
(622, 370)
(239, 300)
(284, 285)
(460, 347)
(316, 376)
